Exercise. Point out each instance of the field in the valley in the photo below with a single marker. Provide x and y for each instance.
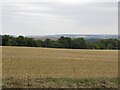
(46, 67)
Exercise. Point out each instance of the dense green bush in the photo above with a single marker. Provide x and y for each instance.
(62, 42)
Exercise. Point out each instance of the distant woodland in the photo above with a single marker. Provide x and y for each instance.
(62, 42)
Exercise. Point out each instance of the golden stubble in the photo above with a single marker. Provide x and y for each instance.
(58, 63)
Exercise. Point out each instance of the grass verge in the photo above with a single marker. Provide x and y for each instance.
(59, 83)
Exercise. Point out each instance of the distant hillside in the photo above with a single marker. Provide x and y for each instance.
(85, 36)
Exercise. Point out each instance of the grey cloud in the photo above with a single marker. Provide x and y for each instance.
(56, 17)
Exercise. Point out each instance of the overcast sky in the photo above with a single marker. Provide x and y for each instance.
(59, 17)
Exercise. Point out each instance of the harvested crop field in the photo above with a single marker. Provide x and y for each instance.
(43, 67)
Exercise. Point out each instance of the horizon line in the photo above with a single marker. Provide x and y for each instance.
(54, 34)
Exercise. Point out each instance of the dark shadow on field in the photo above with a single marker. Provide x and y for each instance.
(58, 89)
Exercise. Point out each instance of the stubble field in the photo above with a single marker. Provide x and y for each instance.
(46, 67)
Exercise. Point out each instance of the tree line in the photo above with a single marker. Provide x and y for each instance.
(62, 42)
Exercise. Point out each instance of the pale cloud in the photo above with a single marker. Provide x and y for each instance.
(58, 16)
(63, 1)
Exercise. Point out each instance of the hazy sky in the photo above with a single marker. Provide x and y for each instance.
(59, 17)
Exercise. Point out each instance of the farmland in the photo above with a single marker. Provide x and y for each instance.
(48, 67)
